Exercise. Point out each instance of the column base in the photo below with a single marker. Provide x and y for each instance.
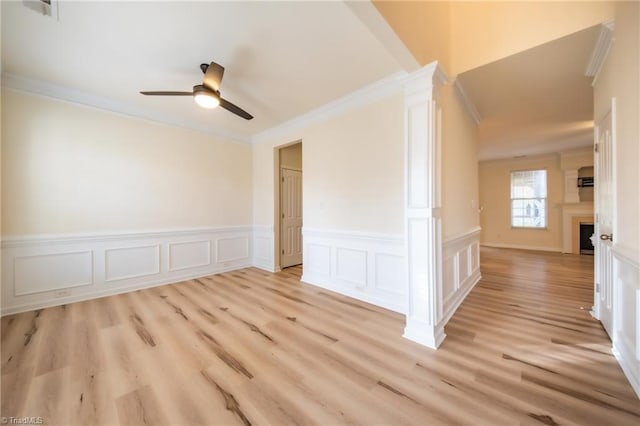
(424, 334)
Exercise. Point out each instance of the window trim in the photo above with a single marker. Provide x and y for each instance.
(546, 198)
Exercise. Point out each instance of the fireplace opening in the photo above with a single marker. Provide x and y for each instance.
(586, 231)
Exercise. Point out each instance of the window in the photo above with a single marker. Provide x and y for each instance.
(529, 199)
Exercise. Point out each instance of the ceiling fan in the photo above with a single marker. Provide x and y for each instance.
(207, 94)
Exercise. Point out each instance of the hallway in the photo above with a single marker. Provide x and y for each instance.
(531, 344)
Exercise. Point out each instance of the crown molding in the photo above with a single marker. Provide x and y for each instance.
(600, 51)
(79, 97)
(466, 101)
(430, 75)
(371, 93)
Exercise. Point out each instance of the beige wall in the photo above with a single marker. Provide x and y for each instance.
(423, 26)
(619, 78)
(353, 171)
(575, 159)
(495, 199)
(73, 169)
(485, 31)
(291, 156)
(459, 167)
(463, 35)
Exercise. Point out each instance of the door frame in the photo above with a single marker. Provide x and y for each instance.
(276, 201)
(595, 311)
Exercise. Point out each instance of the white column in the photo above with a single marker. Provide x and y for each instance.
(422, 206)
(571, 194)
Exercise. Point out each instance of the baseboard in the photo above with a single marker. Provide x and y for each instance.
(395, 304)
(627, 368)
(454, 304)
(522, 247)
(429, 336)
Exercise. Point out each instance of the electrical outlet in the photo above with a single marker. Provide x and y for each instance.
(61, 293)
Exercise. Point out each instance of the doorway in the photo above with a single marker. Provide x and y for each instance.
(289, 206)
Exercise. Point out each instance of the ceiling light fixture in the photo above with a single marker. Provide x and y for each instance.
(206, 98)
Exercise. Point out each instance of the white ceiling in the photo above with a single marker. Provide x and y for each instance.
(282, 59)
(537, 101)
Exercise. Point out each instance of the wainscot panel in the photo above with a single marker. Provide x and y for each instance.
(461, 269)
(263, 241)
(41, 271)
(626, 336)
(368, 267)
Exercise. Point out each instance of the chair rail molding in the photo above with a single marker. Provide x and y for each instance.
(423, 221)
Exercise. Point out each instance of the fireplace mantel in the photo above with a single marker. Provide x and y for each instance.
(569, 211)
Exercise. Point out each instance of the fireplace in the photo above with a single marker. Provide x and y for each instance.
(574, 232)
(586, 231)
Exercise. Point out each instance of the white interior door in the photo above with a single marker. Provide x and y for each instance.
(291, 214)
(604, 202)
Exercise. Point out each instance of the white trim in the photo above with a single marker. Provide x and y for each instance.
(88, 282)
(358, 235)
(30, 306)
(101, 237)
(626, 255)
(371, 93)
(466, 101)
(569, 211)
(422, 205)
(75, 96)
(365, 266)
(125, 277)
(600, 51)
(263, 248)
(627, 369)
(131, 270)
(172, 268)
(522, 247)
(462, 254)
(462, 236)
(626, 311)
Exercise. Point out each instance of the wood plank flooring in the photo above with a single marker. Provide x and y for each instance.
(250, 347)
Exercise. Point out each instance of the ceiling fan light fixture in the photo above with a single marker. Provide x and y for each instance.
(205, 98)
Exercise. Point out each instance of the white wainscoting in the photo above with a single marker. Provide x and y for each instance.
(263, 243)
(460, 270)
(45, 271)
(368, 267)
(626, 323)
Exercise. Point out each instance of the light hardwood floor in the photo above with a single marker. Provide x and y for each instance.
(250, 347)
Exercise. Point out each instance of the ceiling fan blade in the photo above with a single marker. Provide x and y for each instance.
(213, 76)
(167, 93)
(235, 109)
